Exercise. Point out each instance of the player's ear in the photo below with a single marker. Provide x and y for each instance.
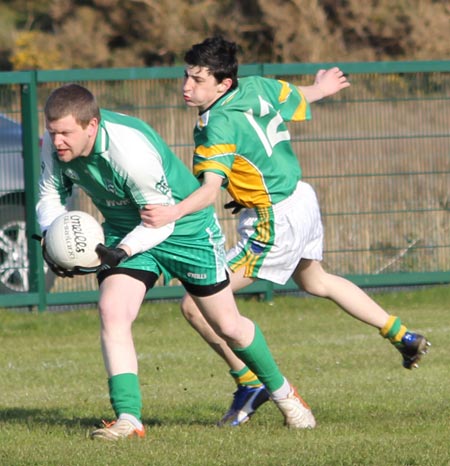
(225, 85)
(92, 126)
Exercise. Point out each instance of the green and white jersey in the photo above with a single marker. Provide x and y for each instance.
(130, 166)
(243, 137)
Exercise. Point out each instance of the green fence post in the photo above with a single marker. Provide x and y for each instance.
(30, 141)
(268, 294)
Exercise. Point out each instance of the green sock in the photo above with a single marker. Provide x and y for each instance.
(259, 359)
(125, 394)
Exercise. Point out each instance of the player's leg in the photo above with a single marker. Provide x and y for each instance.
(257, 255)
(248, 343)
(120, 299)
(121, 295)
(270, 246)
(312, 278)
(196, 319)
(250, 393)
(219, 308)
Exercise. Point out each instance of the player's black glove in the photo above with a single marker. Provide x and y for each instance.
(109, 257)
(235, 206)
(53, 266)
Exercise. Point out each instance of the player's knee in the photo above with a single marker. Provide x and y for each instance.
(228, 331)
(113, 314)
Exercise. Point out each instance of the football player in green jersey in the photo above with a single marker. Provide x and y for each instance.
(122, 164)
(242, 144)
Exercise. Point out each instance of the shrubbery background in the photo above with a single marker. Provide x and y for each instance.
(61, 34)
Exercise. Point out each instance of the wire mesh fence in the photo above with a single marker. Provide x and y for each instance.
(377, 154)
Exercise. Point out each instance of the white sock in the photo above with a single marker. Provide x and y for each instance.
(134, 420)
(283, 391)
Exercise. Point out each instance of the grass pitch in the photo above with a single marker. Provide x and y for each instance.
(370, 411)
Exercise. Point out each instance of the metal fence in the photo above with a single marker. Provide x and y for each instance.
(378, 155)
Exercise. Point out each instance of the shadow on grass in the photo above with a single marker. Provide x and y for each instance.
(31, 416)
(56, 417)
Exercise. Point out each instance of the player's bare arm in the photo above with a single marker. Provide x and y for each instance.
(326, 83)
(156, 215)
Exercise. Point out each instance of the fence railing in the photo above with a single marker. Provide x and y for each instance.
(378, 155)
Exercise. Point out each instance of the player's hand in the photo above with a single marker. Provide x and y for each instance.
(157, 215)
(235, 206)
(331, 81)
(53, 266)
(109, 257)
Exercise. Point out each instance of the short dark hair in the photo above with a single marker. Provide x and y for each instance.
(72, 99)
(216, 54)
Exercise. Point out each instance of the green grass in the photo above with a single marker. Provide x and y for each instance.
(370, 411)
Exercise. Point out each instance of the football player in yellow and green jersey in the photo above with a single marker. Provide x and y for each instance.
(242, 143)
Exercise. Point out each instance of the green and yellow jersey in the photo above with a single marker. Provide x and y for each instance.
(243, 137)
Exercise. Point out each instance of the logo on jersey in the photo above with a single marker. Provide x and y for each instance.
(257, 248)
(72, 174)
(162, 186)
(117, 203)
(109, 185)
(197, 276)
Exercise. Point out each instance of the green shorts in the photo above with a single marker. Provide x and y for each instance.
(197, 259)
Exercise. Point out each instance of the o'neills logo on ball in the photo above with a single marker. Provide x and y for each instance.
(74, 236)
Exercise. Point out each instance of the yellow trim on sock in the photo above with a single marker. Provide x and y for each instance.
(249, 378)
(400, 334)
(387, 326)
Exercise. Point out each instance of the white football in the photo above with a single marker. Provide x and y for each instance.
(72, 238)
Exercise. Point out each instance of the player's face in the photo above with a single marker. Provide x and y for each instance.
(70, 138)
(200, 87)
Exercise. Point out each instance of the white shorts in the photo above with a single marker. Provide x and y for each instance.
(273, 240)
